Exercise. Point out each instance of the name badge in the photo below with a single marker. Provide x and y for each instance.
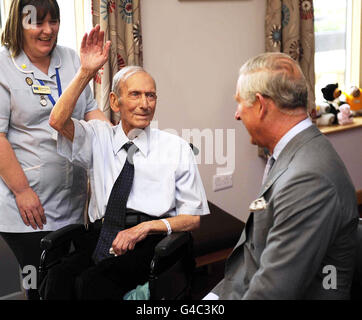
(41, 90)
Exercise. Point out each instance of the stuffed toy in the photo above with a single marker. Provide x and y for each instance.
(354, 99)
(344, 116)
(322, 114)
(331, 94)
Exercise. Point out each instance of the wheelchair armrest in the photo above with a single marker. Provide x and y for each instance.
(171, 243)
(171, 267)
(59, 237)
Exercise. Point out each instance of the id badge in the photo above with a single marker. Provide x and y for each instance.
(41, 90)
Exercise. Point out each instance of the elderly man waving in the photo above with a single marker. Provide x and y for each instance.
(145, 182)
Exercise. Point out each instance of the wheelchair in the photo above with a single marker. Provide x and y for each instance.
(171, 268)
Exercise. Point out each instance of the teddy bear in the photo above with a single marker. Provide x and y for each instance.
(331, 94)
(322, 114)
(344, 116)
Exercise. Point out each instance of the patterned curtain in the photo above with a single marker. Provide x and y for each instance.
(289, 28)
(120, 19)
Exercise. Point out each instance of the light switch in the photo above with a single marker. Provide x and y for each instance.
(222, 181)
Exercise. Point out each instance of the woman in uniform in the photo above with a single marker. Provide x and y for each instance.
(40, 191)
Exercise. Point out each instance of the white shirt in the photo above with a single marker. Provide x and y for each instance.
(166, 179)
(60, 186)
(299, 127)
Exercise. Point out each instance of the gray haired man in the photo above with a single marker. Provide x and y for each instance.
(301, 231)
(160, 196)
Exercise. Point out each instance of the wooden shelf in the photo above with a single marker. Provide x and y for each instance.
(336, 128)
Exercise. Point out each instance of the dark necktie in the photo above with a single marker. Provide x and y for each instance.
(114, 218)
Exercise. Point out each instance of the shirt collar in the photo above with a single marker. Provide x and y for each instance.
(299, 127)
(141, 141)
(55, 62)
(24, 65)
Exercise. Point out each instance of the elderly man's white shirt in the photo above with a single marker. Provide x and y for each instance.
(166, 181)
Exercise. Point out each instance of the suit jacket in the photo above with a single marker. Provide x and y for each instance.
(289, 249)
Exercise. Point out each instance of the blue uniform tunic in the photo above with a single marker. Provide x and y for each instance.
(60, 185)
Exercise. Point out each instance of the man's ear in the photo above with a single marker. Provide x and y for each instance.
(113, 100)
(263, 105)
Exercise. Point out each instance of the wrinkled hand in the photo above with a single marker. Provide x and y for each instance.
(127, 239)
(93, 52)
(30, 208)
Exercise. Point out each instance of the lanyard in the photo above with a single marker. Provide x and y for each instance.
(59, 85)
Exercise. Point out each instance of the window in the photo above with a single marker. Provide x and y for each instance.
(337, 43)
(67, 35)
(1, 14)
(75, 20)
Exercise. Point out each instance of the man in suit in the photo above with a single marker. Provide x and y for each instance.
(299, 240)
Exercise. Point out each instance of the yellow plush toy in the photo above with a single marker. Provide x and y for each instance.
(354, 99)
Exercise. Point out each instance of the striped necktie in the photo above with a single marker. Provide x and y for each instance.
(268, 167)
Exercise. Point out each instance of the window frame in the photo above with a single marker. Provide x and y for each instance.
(354, 43)
(2, 14)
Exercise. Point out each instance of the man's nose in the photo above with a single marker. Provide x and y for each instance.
(237, 116)
(144, 101)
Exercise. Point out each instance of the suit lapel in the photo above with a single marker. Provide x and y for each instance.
(280, 166)
(286, 156)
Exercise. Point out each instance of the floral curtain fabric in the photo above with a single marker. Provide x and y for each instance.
(121, 21)
(289, 28)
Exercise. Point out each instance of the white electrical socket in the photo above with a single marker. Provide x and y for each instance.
(222, 181)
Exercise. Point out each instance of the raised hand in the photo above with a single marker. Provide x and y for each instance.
(93, 52)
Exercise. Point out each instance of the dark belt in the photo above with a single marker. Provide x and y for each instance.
(133, 218)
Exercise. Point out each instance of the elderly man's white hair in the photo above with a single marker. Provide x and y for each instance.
(123, 74)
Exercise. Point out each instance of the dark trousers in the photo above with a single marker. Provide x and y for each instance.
(26, 248)
(77, 277)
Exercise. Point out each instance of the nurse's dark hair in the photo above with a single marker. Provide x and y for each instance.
(12, 36)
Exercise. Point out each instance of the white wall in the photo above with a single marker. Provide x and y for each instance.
(194, 50)
(348, 146)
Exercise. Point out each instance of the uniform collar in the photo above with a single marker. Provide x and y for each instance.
(141, 141)
(24, 65)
